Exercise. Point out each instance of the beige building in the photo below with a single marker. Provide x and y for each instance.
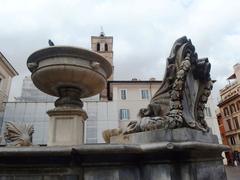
(230, 109)
(130, 96)
(7, 72)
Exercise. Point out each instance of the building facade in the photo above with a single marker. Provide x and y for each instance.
(130, 96)
(221, 128)
(227, 155)
(7, 72)
(229, 106)
(30, 93)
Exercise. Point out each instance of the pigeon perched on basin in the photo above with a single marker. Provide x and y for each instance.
(50, 43)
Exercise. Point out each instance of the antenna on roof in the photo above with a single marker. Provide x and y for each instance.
(102, 32)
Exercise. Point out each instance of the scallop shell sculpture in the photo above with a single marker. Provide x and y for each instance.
(18, 134)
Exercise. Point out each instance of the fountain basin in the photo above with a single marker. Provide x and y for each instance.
(62, 67)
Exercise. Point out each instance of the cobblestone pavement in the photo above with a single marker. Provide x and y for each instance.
(233, 173)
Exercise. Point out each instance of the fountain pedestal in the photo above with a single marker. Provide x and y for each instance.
(69, 73)
(66, 126)
(66, 122)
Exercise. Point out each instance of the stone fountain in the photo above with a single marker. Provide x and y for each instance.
(69, 73)
(170, 141)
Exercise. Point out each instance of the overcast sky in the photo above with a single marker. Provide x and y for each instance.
(143, 32)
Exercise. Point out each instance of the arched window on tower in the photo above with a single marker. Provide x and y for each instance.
(106, 47)
(98, 46)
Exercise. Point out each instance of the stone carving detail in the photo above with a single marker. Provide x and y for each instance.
(107, 134)
(18, 134)
(181, 98)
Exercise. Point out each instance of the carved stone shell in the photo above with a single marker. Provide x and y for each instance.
(18, 134)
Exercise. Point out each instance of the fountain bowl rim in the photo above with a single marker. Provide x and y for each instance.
(69, 51)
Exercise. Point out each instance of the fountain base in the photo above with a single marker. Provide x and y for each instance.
(66, 126)
(151, 161)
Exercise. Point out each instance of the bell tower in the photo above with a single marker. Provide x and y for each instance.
(103, 45)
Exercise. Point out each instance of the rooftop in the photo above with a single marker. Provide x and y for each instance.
(8, 65)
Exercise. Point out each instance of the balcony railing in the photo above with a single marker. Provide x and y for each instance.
(229, 86)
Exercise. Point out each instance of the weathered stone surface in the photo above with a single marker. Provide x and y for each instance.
(108, 133)
(180, 161)
(181, 98)
(163, 135)
(18, 134)
(66, 126)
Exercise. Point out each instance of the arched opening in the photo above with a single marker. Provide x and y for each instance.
(232, 108)
(226, 112)
(98, 46)
(106, 47)
(238, 105)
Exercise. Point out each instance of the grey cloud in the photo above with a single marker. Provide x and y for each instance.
(143, 31)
